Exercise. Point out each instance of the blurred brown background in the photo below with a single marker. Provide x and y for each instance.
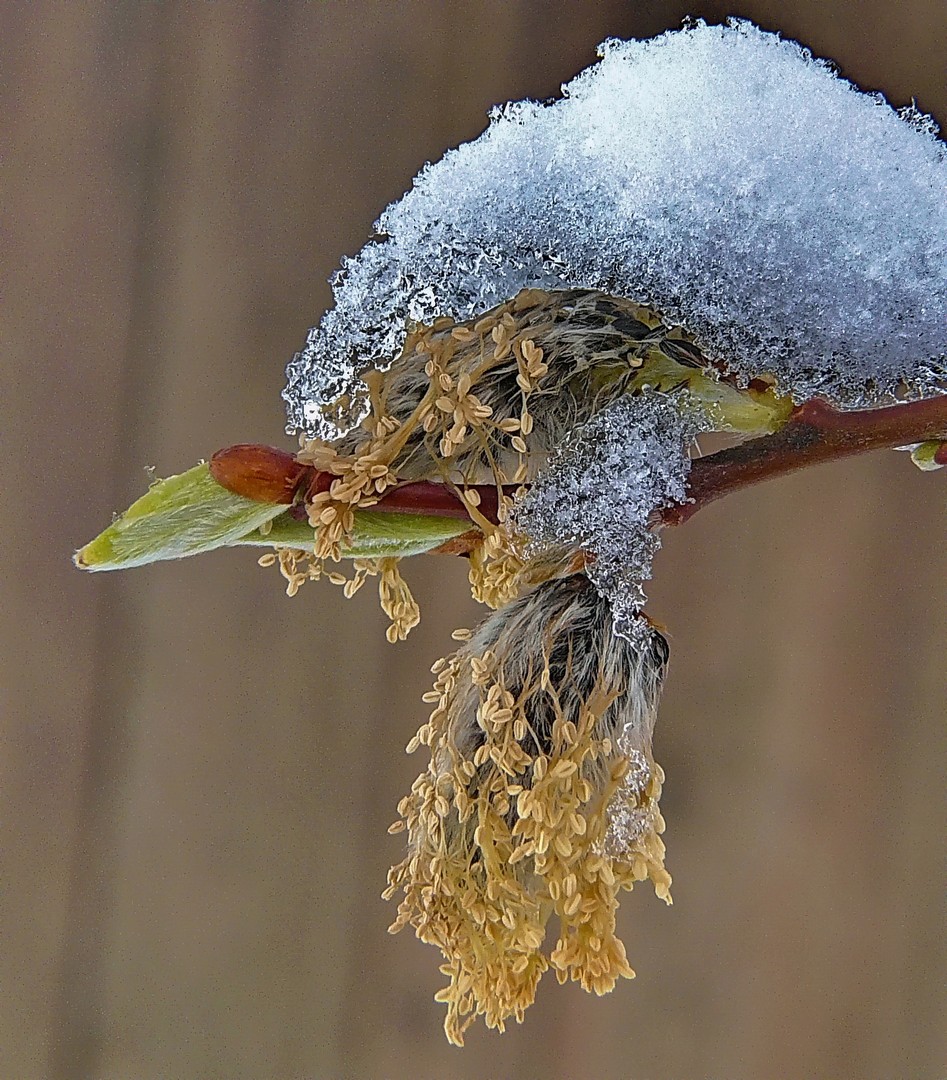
(196, 773)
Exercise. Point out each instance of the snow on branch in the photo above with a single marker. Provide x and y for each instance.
(793, 224)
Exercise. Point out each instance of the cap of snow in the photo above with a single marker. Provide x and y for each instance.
(721, 174)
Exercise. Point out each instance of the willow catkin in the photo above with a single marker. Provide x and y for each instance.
(475, 395)
(540, 799)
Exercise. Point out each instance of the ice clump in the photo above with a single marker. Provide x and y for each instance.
(722, 174)
(599, 492)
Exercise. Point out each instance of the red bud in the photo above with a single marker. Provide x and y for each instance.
(261, 473)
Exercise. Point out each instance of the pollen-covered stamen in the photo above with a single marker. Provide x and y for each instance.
(489, 402)
(298, 567)
(540, 744)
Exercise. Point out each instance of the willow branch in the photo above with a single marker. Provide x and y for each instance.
(815, 433)
(425, 497)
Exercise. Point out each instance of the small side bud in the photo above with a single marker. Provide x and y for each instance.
(261, 473)
(929, 456)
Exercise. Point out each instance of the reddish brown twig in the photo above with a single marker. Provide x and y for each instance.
(816, 432)
(439, 499)
(266, 474)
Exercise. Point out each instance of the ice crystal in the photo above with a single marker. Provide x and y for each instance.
(792, 223)
(600, 490)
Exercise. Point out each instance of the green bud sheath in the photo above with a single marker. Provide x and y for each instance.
(928, 456)
(376, 535)
(182, 515)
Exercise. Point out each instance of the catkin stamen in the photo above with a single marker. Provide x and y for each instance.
(511, 823)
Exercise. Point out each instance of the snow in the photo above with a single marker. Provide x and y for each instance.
(599, 491)
(722, 174)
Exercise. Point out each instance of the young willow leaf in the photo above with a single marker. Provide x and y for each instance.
(182, 515)
(928, 456)
(375, 535)
(191, 513)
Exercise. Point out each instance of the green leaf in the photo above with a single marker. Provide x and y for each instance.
(924, 455)
(180, 516)
(376, 534)
(191, 513)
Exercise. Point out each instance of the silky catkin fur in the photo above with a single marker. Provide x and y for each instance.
(556, 358)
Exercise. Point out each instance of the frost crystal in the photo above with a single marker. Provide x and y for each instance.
(721, 174)
(599, 492)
